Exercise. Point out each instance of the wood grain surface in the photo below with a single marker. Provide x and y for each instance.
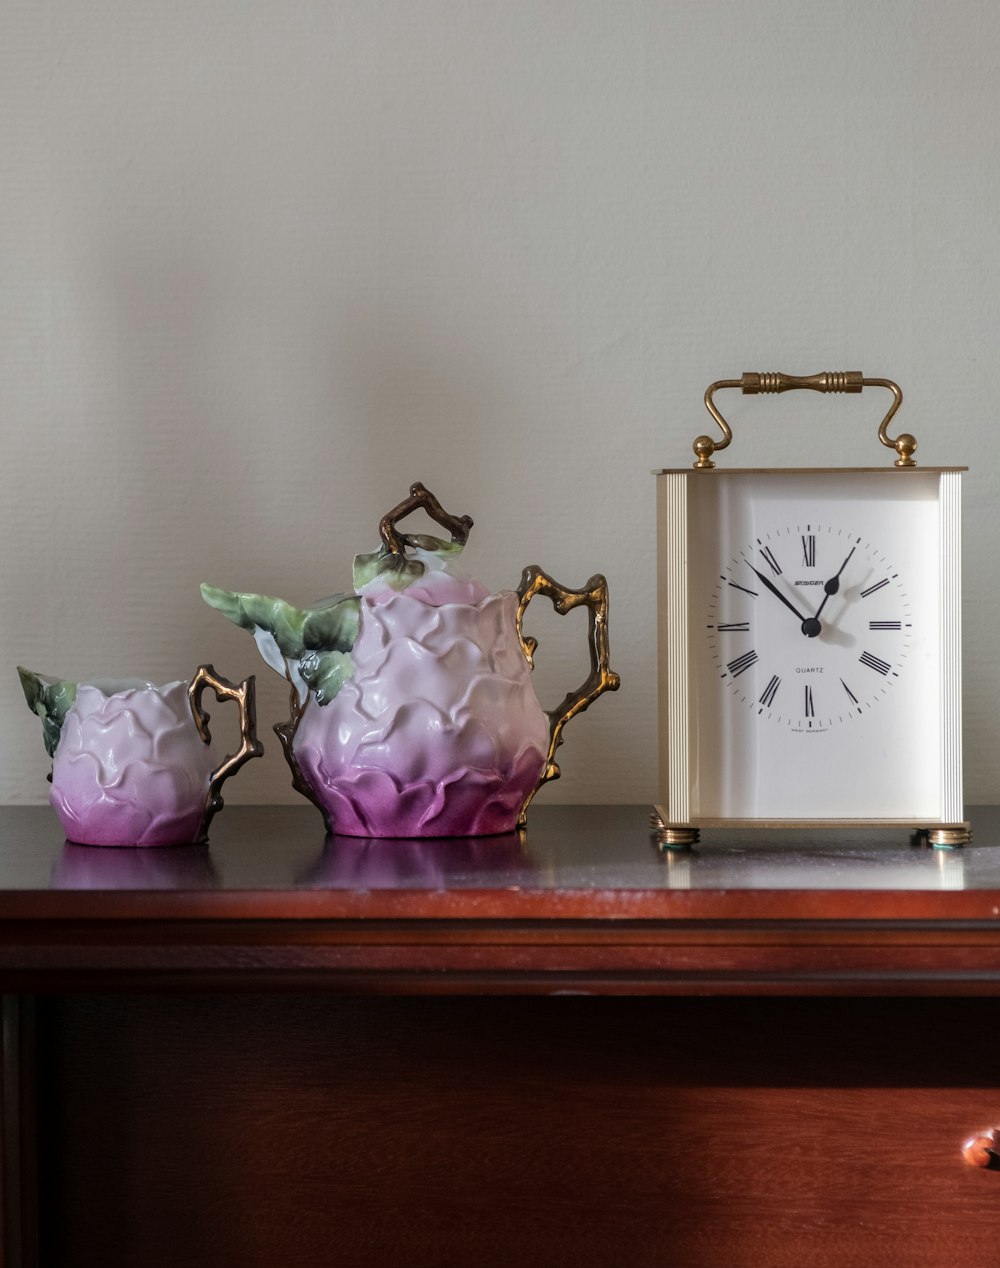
(583, 902)
(241, 1056)
(307, 1131)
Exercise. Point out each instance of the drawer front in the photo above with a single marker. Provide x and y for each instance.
(304, 1130)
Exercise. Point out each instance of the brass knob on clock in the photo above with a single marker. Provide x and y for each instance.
(983, 1149)
(754, 383)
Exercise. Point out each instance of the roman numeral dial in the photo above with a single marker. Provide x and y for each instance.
(875, 662)
(742, 663)
(770, 691)
(810, 627)
(768, 556)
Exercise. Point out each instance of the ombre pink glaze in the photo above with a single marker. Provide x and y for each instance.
(131, 768)
(438, 732)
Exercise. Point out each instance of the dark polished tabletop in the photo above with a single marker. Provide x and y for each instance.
(584, 901)
(572, 861)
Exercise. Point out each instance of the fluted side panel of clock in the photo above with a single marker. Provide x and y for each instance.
(952, 804)
(672, 554)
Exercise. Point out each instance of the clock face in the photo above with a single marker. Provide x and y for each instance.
(810, 625)
(813, 632)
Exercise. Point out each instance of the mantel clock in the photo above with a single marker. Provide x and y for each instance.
(810, 639)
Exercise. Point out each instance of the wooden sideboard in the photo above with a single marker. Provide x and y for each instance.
(562, 1049)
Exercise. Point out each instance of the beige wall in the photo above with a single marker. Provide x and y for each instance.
(264, 264)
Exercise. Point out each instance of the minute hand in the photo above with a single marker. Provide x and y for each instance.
(777, 593)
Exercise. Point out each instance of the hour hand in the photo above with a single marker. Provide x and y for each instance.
(833, 585)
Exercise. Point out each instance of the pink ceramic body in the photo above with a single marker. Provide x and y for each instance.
(130, 768)
(438, 732)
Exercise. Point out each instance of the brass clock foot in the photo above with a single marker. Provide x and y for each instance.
(672, 836)
(945, 836)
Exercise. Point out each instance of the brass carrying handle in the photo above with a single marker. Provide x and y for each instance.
(602, 678)
(419, 497)
(250, 746)
(754, 384)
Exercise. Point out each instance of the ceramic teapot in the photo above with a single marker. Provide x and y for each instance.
(132, 762)
(412, 709)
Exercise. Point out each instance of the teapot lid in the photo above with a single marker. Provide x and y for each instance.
(311, 646)
(423, 566)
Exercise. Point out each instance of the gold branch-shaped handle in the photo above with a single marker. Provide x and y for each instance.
(756, 384)
(457, 525)
(601, 678)
(250, 746)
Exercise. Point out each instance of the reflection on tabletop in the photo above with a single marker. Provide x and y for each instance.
(138, 867)
(406, 863)
(820, 867)
(594, 848)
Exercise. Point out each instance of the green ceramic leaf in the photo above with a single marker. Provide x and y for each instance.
(325, 673)
(399, 570)
(51, 699)
(396, 570)
(331, 626)
(433, 545)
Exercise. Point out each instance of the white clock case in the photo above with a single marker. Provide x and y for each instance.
(677, 549)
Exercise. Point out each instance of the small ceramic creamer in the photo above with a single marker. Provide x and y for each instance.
(413, 713)
(132, 762)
